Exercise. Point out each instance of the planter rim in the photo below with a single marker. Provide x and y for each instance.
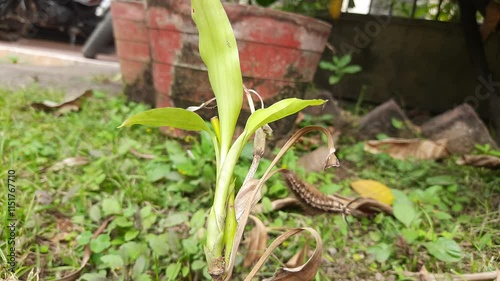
(282, 15)
(235, 10)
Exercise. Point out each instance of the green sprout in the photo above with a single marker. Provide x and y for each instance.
(339, 66)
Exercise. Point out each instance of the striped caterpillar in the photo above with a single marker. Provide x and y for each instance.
(311, 197)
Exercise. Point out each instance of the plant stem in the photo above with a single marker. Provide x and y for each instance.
(216, 223)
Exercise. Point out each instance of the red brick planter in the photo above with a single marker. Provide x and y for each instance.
(279, 52)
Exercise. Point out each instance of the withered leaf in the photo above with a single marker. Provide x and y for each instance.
(315, 160)
(244, 196)
(73, 104)
(278, 204)
(142, 155)
(373, 189)
(409, 148)
(69, 162)
(305, 272)
(257, 242)
(486, 161)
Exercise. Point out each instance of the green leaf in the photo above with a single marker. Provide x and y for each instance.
(267, 205)
(219, 52)
(159, 244)
(95, 213)
(351, 69)
(144, 277)
(190, 245)
(123, 222)
(101, 243)
(173, 270)
(139, 266)
(396, 123)
(409, 235)
(111, 206)
(84, 238)
(175, 219)
(445, 250)
(441, 180)
(276, 112)
(101, 276)
(145, 211)
(157, 173)
(132, 250)
(131, 234)
(343, 61)
(404, 210)
(197, 265)
(334, 79)
(380, 251)
(148, 221)
(197, 220)
(170, 116)
(112, 261)
(327, 65)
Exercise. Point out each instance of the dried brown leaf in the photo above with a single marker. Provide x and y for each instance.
(142, 155)
(331, 161)
(69, 162)
(244, 196)
(278, 204)
(63, 107)
(314, 161)
(257, 242)
(486, 161)
(305, 272)
(409, 148)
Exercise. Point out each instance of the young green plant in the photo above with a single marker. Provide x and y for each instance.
(339, 66)
(219, 52)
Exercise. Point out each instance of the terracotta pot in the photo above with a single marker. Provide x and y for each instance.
(279, 52)
(133, 49)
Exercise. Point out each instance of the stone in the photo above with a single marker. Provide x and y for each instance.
(383, 120)
(462, 127)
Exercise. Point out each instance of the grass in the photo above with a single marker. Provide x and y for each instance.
(159, 205)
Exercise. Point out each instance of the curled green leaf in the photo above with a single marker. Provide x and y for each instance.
(276, 112)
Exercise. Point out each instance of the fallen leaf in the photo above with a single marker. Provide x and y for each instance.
(424, 274)
(63, 107)
(373, 189)
(487, 161)
(69, 162)
(305, 272)
(142, 155)
(314, 161)
(278, 204)
(257, 242)
(409, 148)
(491, 19)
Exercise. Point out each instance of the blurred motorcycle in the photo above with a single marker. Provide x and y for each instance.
(102, 36)
(22, 18)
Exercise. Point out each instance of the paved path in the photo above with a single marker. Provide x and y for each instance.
(56, 65)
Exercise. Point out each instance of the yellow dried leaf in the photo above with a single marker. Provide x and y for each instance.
(373, 189)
